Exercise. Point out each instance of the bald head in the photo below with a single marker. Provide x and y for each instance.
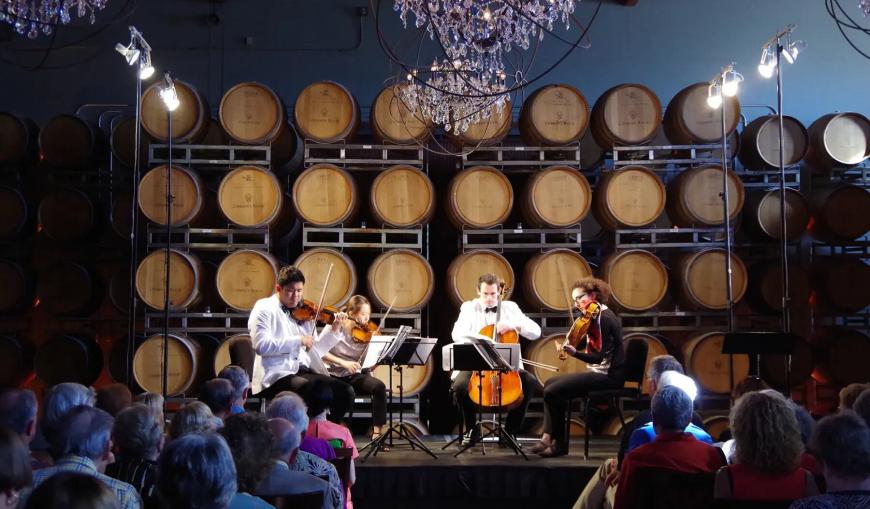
(287, 438)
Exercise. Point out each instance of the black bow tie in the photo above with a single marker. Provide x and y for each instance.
(491, 310)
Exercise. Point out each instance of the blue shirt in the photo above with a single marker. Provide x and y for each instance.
(236, 410)
(646, 434)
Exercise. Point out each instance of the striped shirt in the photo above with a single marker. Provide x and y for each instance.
(142, 475)
(318, 467)
(126, 494)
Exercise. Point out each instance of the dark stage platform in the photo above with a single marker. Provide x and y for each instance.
(405, 478)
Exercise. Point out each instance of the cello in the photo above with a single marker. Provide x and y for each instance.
(497, 389)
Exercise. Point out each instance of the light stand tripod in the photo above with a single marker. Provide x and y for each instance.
(170, 99)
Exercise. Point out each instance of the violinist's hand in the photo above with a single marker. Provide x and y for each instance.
(353, 367)
(307, 342)
(612, 473)
(570, 350)
(340, 319)
(505, 327)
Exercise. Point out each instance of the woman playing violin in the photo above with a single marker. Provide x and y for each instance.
(345, 358)
(600, 348)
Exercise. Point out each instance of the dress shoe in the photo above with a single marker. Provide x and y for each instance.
(556, 449)
(539, 447)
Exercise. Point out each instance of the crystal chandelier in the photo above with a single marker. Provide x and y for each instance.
(32, 17)
(864, 5)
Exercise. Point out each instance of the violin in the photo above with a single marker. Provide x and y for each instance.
(363, 332)
(580, 328)
(307, 310)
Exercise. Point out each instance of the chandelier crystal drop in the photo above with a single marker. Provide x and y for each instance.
(864, 5)
(35, 17)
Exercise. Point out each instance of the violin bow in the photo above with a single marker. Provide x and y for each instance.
(384, 318)
(323, 292)
(570, 302)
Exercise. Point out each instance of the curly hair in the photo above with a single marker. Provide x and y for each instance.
(251, 442)
(766, 433)
(592, 284)
(850, 393)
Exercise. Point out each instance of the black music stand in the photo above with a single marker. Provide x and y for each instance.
(480, 356)
(402, 351)
(762, 343)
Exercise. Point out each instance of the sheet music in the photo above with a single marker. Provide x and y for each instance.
(376, 346)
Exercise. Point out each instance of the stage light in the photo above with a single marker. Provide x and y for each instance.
(792, 50)
(768, 63)
(714, 97)
(731, 83)
(169, 94)
(146, 70)
(129, 52)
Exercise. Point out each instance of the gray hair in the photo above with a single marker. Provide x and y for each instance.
(671, 409)
(661, 363)
(61, 399)
(239, 378)
(17, 409)
(195, 417)
(136, 432)
(218, 394)
(196, 471)
(287, 440)
(84, 431)
(289, 405)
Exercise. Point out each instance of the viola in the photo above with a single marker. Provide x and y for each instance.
(580, 328)
(307, 310)
(362, 333)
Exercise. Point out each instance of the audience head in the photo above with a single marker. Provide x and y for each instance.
(289, 405)
(766, 433)
(15, 473)
(748, 384)
(61, 399)
(841, 443)
(86, 431)
(680, 381)
(196, 470)
(249, 437)
(18, 409)
(671, 410)
(136, 433)
(240, 380)
(862, 406)
(114, 398)
(287, 439)
(318, 396)
(194, 417)
(805, 421)
(219, 395)
(850, 393)
(72, 490)
(658, 365)
(154, 401)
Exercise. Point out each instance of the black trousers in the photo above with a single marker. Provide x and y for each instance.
(558, 390)
(365, 383)
(342, 392)
(531, 387)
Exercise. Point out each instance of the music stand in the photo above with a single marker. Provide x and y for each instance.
(762, 343)
(399, 352)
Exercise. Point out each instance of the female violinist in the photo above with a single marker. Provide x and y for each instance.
(345, 359)
(600, 347)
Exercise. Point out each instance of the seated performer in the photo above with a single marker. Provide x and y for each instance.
(345, 358)
(288, 351)
(474, 315)
(601, 349)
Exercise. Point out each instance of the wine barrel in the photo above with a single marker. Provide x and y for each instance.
(631, 197)
(18, 137)
(655, 347)
(485, 132)
(548, 276)
(414, 380)
(287, 151)
(235, 350)
(69, 288)
(326, 112)
(479, 197)
(118, 359)
(185, 279)
(701, 280)
(711, 369)
(325, 195)
(252, 113)
(121, 215)
(403, 276)
(543, 351)
(626, 114)
(841, 356)
(773, 368)
(66, 214)
(393, 121)
(638, 279)
(591, 154)
(17, 287)
(838, 140)
(762, 213)
(314, 264)
(185, 365)
(13, 213)
(190, 120)
(556, 114)
(123, 142)
(68, 358)
(759, 142)
(119, 288)
(766, 290)
(840, 213)
(688, 118)
(557, 197)
(402, 196)
(694, 197)
(16, 360)
(717, 426)
(465, 270)
(842, 283)
(187, 195)
(251, 197)
(67, 141)
(245, 276)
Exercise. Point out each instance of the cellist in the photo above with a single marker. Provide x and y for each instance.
(601, 348)
(474, 315)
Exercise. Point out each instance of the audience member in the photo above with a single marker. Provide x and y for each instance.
(72, 490)
(196, 470)
(242, 384)
(138, 440)
(15, 472)
(249, 438)
(153, 401)
(862, 406)
(18, 409)
(318, 396)
(841, 443)
(767, 452)
(672, 449)
(280, 480)
(289, 405)
(83, 438)
(747, 385)
(58, 402)
(219, 395)
(194, 417)
(850, 393)
(113, 398)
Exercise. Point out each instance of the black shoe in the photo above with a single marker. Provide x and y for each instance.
(539, 448)
(557, 449)
(470, 437)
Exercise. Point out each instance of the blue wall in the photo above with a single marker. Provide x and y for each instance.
(665, 44)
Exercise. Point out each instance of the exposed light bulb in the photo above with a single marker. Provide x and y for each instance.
(714, 101)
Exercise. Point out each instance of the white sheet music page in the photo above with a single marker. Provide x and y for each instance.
(376, 346)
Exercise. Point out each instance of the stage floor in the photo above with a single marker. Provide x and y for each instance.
(404, 478)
